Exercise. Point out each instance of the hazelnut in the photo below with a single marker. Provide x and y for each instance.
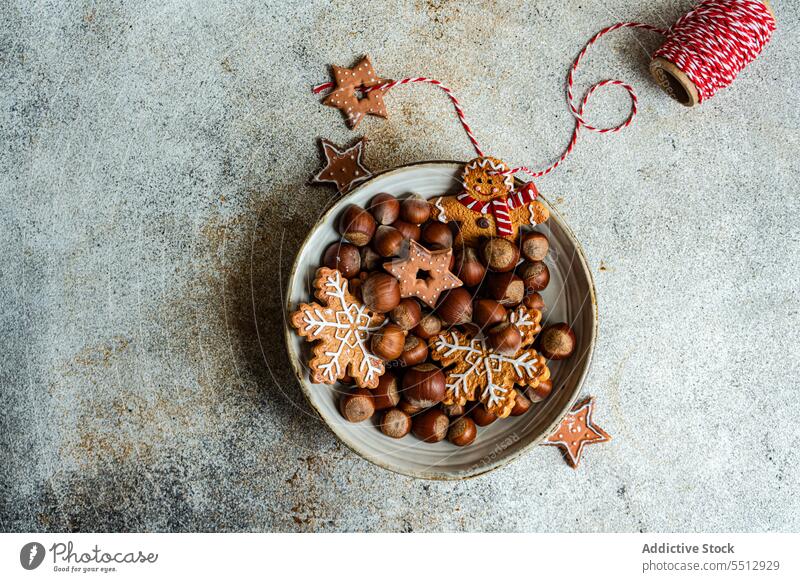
(388, 241)
(534, 301)
(395, 423)
(410, 231)
(429, 326)
(468, 268)
(354, 285)
(385, 208)
(557, 341)
(347, 379)
(505, 338)
(407, 313)
(488, 312)
(535, 276)
(415, 209)
(415, 351)
(344, 257)
(380, 292)
(357, 405)
(387, 342)
(506, 288)
(430, 426)
(535, 246)
(521, 404)
(423, 385)
(439, 234)
(387, 394)
(357, 225)
(541, 391)
(499, 254)
(453, 409)
(370, 260)
(409, 408)
(481, 416)
(455, 307)
(462, 432)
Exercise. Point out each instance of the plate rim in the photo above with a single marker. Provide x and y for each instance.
(299, 371)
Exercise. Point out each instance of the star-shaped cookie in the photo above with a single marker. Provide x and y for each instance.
(423, 274)
(343, 168)
(577, 430)
(349, 97)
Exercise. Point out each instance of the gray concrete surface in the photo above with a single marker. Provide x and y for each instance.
(154, 165)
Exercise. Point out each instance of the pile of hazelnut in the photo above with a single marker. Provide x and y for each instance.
(497, 276)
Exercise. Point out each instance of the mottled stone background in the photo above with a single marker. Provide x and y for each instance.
(154, 167)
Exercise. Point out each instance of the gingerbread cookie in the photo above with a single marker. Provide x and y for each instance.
(433, 265)
(576, 431)
(348, 96)
(343, 167)
(489, 205)
(528, 321)
(341, 325)
(479, 373)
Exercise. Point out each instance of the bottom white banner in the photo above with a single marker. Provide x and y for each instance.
(407, 557)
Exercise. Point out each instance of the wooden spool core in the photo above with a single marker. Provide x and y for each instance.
(675, 82)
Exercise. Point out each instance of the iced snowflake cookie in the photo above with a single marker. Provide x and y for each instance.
(489, 205)
(340, 325)
(476, 372)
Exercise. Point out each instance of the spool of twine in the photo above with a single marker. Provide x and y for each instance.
(706, 48)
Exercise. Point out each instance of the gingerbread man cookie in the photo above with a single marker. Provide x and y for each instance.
(489, 205)
(341, 326)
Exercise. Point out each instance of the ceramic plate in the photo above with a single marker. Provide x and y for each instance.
(569, 297)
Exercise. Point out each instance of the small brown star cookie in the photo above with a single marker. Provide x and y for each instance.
(577, 430)
(434, 267)
(343, 168)
(348, 95)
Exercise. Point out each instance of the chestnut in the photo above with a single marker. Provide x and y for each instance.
(534, 301)
(557, 342)
(430, 426)
(481, 416)
(462, 432)
(534, 246)
(429, 326)
(540, 391)
(453, 409)
(385, 208)
(409, 408)
(370, 260)
(535, 276)
(407, 314)
(357, 225)
(344, 257)
(387, 342)
(415, 351)
(488, 312)
(455, 307)
(468, 268)
(424, 385)
(415, 209)
(437, 234)
(386, 394)
(521, 404)
(357, 405)
(505, 338)
(499, 254)
(395, 423)
(381, 292)
(409, 231)
(505, 288)
(388, 241)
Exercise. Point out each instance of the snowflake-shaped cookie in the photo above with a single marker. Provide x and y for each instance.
(341, 325)
(480, 373)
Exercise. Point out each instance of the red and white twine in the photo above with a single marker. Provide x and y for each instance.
(711, 45)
